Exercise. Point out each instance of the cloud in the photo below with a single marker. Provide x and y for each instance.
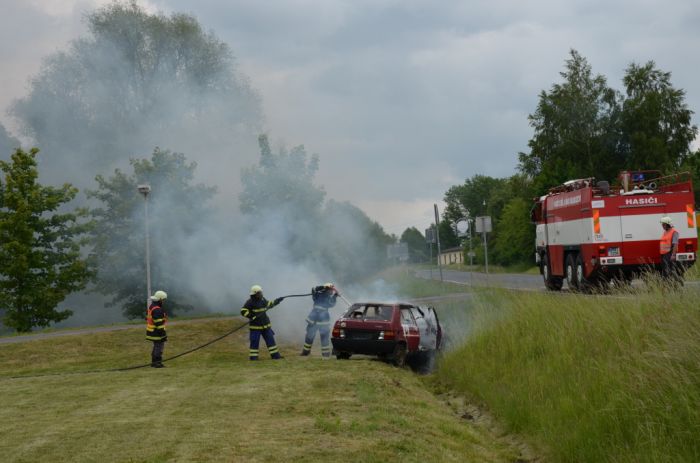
(393, 95)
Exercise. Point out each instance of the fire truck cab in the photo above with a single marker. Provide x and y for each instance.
(589, 233)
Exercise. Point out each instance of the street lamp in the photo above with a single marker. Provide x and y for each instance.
(145, 189)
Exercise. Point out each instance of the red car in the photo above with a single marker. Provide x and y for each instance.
(393, 331)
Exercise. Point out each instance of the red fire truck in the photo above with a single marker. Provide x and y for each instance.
(590, 233)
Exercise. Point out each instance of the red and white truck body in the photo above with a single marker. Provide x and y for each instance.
(591, 234)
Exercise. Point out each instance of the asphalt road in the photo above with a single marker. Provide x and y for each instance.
(502, 280)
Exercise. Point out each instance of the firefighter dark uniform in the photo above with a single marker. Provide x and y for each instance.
(319, 319)
(156, 319)
(256, 309)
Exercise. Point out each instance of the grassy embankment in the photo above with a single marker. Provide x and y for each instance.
(587, 378)
(216, 406)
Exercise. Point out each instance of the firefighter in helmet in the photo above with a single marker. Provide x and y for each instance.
(255, 309)
(668, 247)
(155, 328)
(324, 297)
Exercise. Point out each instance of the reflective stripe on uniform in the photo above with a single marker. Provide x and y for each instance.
(253, 327)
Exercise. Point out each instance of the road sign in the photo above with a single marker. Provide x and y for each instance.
(462, 227)
(482, 224)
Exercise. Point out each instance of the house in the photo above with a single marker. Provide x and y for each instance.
(452, 256)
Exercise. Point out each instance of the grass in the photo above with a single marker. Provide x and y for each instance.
(216, 406)
(587, 378)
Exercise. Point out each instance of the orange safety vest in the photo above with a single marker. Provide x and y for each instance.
(666, 242)
(155, 328)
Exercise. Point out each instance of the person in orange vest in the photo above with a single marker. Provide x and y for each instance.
(255, 309)
(155, 328)
(668, 246)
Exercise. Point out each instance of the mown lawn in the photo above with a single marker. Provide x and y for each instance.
(216, 406)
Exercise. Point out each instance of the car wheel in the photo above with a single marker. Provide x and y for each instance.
(343, 355)
(400, 355)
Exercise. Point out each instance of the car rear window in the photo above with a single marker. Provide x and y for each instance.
(370, 312)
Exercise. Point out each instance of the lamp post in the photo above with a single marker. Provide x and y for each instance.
(145, 189)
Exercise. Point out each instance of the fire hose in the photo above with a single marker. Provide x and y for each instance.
(135, 367)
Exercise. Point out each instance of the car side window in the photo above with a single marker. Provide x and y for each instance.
(406, 317)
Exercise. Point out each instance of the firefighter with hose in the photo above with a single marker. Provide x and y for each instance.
(255, 309)
(319, 319)
(155, 328)
(668, 246)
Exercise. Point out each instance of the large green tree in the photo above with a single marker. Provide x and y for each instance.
(576, 129)
(135, 81)
(656, 124)
(177, 210)
(40, 261)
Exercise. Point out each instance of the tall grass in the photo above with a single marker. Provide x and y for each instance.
(587, 378)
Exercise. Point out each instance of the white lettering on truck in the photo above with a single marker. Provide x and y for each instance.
(641, 201)
(564, 202)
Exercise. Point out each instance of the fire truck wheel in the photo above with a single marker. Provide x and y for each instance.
(550, 282)
(581, 281)
(570, 270)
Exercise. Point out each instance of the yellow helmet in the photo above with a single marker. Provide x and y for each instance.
(255, 289)
(329, 285)
(159, 296)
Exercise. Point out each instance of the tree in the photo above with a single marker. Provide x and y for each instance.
(177, 210)
(40, 262)
(576, 128)
(514, 242)
(417, 246)
(656, 122)
(136, 81)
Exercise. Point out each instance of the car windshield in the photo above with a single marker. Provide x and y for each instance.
(370, 312)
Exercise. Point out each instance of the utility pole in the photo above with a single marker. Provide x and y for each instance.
(145, 190)
(437, 237)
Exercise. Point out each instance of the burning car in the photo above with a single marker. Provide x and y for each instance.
(392, 331)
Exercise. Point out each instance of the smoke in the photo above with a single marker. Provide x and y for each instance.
(104, 101)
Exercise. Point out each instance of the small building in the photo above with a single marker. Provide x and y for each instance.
(452, 256)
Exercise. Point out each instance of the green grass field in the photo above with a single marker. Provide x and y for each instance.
(216, 406)
(530, 376)
(587, 378)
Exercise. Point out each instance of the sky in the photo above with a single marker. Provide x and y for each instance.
(401, 99)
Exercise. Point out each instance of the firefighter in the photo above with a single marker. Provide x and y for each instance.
(155, 328)
(668, 246)
(319, 320)
(255, 309)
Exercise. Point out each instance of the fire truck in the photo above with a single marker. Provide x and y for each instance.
(591, 233)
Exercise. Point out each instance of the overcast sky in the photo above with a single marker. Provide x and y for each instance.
(401, 99)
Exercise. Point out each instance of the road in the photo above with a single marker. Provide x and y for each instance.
(90, 330)
(502, 280)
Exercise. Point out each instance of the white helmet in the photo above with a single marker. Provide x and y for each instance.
(667, 220)
(329, 285)
(159, 296)
(255, 289)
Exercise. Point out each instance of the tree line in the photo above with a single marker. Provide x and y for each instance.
(582, 128)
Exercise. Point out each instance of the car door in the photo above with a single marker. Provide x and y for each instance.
(410, 329)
